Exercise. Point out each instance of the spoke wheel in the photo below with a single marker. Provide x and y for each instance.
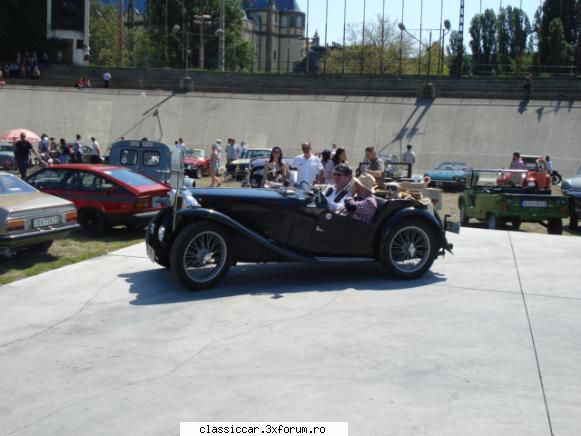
(409, 250)
(200, 256)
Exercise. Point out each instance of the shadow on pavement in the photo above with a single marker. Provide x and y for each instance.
(159, 287)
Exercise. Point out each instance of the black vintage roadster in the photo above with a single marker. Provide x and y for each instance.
(220, 227)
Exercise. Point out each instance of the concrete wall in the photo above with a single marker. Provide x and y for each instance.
(481, 132)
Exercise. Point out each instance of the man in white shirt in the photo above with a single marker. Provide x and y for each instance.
(309, 166)
(409, 156)
(106, 79)
(95, 151)
(181, 144)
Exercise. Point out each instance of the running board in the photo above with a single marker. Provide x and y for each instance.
(344, 259)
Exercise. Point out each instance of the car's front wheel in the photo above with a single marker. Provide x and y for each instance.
(200, 256)
(464, 220)
(409, 249)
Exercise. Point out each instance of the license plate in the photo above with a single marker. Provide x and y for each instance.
(534, 203)
(150, 252)
(45, 221)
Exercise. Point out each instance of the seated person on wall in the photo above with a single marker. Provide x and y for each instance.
(375, 167)
(340, 189)
(363, 206)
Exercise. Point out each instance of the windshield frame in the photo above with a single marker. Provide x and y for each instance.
(136, 178)
(455, 166)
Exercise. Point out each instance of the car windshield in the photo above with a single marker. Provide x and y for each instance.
(10, 185)
(194, 153)
(130, 177)
(452, 166)
(490, 178)
(253, 154)
(6, 147)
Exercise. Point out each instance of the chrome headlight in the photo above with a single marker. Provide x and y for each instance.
(161, 233)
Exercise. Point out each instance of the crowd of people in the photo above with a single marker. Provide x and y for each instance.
(50, 152)
(345, 193)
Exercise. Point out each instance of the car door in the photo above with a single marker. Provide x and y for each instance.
(339, 235)
(49, 180)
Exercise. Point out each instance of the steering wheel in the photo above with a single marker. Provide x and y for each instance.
(306, 186)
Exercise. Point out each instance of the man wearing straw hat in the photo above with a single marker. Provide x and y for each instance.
(363, 206)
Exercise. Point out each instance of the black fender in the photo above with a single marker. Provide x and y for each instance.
(187, 216)
(418, 214)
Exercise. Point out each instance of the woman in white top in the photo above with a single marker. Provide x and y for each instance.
(215, 164)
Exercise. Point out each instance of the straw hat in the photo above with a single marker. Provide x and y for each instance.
(367, 181)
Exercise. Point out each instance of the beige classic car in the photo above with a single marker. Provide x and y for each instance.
(30, 219)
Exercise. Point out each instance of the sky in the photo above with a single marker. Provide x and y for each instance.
(393, 9)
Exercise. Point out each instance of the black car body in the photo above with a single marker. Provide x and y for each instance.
(226, 226)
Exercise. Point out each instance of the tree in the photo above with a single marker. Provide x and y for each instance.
(453, 49)
(514, 29)
(162, 15)
(557, 43)
(565, 11)
(368, 59)
(484, 43)
(103, 33)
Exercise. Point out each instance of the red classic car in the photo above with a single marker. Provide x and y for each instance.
(104, 195)
(535, 177)
(195, 163)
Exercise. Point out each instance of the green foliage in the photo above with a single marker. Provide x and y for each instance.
(549, 34)
(557, 44)
(368, 59)
(103, 34)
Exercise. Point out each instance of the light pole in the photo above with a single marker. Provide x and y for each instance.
(202, 20)
(176, 29)
(221, 32)
(428, 47)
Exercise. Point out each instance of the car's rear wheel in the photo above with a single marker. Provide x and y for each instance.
(409, 249)
(556, 179)
(555, 226)
(200, 256)
(573, 221)
(40, 248)
(92, 222)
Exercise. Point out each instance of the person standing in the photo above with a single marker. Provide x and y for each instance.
(375, 167)
(77, 156)
(309, 167)
(106, 79)
(43, 144)
(232, 151)
(409, 156)
(243, 150)
(95, 151)
(181, 144)
(528, 87)
(215, 155)
(517, 163)
(65, 151)
(549, 164)
(22, 150)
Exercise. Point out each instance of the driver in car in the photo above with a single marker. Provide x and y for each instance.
(340, 189)
(363, 206)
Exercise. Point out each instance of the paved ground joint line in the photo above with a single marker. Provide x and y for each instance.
(524, 299)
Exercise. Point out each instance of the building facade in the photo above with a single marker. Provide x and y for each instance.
(287, 47)
(68, 22)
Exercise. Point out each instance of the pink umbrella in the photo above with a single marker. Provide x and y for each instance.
(14, 135)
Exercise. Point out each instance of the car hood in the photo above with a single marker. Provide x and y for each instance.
(192, 160)
(31, 201)
(241, 162)
(574, 183)
(447, 174)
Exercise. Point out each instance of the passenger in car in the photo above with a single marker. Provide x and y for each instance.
(363, 206)
(337, 192)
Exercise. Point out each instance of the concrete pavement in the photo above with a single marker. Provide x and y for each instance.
(115, 346)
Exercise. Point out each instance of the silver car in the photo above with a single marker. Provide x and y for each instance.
(30, 219)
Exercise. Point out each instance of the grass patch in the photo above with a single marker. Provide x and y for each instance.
(75, 248)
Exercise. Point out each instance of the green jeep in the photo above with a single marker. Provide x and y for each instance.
(486, 200)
